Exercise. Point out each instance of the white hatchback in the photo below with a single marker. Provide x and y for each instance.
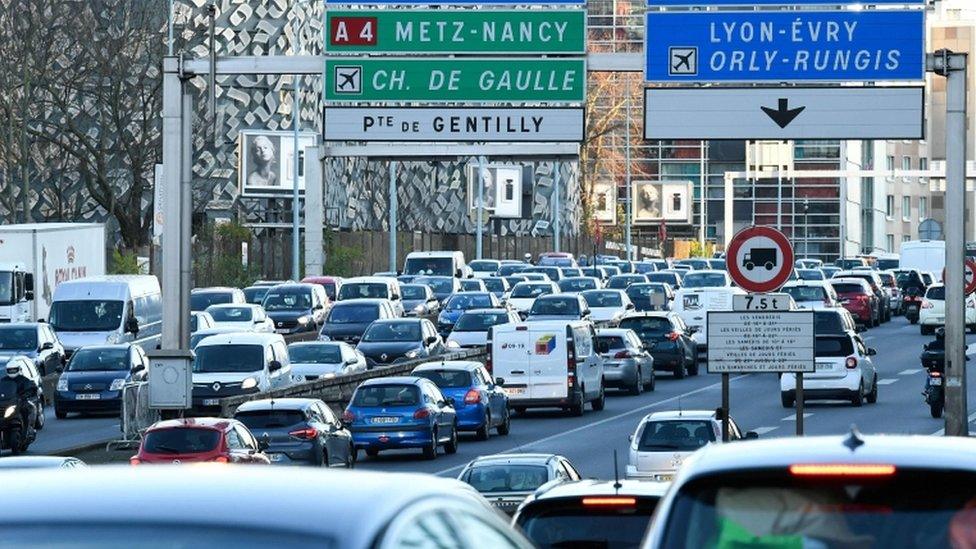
(243, 316)
(812, 294)
(523, 294)
(844, 371)
(932, 313)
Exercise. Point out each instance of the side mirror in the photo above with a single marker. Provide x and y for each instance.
(274, 366)
(449, 401)
(59, 368)
(317, 307)
(499, 381)
(263, 444)
(29, 295)
(132, 326)
(29, 285)
(350, 361)
(872, 351)
(431, 340)
(630, 306)
(137, 368)
(458, 273)
(751, 435)
(860, 328)
(46, 346)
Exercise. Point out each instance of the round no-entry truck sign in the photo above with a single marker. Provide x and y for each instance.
(759, 259)
(969, 282)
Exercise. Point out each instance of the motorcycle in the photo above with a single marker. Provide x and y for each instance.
(14, 434)
(911, 303)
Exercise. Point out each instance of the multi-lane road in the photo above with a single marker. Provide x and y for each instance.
(589, 441)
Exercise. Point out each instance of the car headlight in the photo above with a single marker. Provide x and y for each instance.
(249, 383)
(117, 384)
(62, 385)
(329, 375)
(9, 411)
(412, 354)
(303, 319)
(419, 309)
(112, 338)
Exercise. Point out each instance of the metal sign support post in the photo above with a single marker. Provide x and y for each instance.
(701, 199)
(725, 407)
(393, 217)
(481, 207)
(630, 197)
(555, 206)
(295, 210)
(953, 67)
(799, 404)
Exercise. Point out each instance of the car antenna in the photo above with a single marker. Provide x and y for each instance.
(616, 473)
(679, 406)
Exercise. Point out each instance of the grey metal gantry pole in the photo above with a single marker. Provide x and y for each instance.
(393, 216)
(556, 207)
(295, 209)
(953, 67)
(630, 198)
(481, 208)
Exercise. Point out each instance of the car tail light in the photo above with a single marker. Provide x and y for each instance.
(134, 461)
(473, 396)
(851, 363)
(623, 354)
(935, 373)
(488, 361)
(221, 459)
(570, 356)
(926, 304)
(611, 501)
(307, 433)
(674, 336)
(842, 470)
(421, 413)
(348, 417)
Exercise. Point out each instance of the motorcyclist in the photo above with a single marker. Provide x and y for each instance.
(528, 258)
(911, 279)
(936, 346)
(27, 391)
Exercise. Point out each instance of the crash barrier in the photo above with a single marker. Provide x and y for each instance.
(337, 391)
(136, 414)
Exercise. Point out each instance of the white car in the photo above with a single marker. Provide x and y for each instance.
(471, 329)
(484, 268)
(245, 317)
(311, 360)
(712, 278)
(663, 440)
(523, 294)
(932, 313)
(607, 307)
(844, 371)
(236, 364)
(812, 294)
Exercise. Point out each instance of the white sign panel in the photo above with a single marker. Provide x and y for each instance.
(784, 113)
(656, 201)
(267, 162)
(743, 342)
(454, 124)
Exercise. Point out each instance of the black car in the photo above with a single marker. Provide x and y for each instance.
(390, 341)
(443, 286)
(650, 296)
(296, 308)
(670, 278)
(347, 320)
(34, 340)
(298, 431)
(255, 294)
(667, 339)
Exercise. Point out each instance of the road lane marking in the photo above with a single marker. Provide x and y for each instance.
(909, 372)
(792, 417)
(940, 432)
(763, 430)
(888, 381)
(588, 426)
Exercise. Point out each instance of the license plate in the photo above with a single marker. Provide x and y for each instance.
(664, 478)
(824, 366)
(514, 391)
(88, 396)
(276, 457)
(386, 420)
(211, 402)
(935, 381)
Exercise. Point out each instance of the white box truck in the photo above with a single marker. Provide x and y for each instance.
(36, 257)
(924, 255)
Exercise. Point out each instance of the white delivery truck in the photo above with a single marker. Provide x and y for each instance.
(924, 255)
(35, 258)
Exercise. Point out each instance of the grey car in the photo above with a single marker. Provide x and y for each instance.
(34, 340)
(298, 431)
(179, 506)
(626, 364)
(507, 479)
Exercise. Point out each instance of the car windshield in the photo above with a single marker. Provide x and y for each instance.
(577, 284)
(621, 282)
(440, 285)
(668, 278)
(483, 266)
(506, 270)
(99, 360)
(479, 322)
(228, 358)
(678, 435)
(936, 292)
(448, 379)
(507, 478)
(570, 524)
(472, 286)
(288, 301)
(848, 288)
(199, 301)
(429, 266)
(887, 264)
(806, 293)
(612, 342)
(180, 440)
(494, 285)
(314, 353)
(839, 346)
(255, 294)
(531, 290)
(905, 509)
(6, 288)
(556, 261)
(644, 290)
(414, 291)
(364, 290)
(18, 339)
(704, 280)
(392, 331)
(827, 322)
(555, 306)
(256, 420)
(231, 314)
(603, 299)
(86, 316)
(371, 396)
(647, 325)
(353, 314)
(810, 274)
(461, 302)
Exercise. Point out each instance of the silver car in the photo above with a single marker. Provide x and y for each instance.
(507, 479)
(626, 364)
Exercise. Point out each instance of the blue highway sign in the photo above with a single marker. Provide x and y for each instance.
(795, 46)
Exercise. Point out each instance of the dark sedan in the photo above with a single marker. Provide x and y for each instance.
(95, 376)
(298, 431)
(667, 339)
(396, 340)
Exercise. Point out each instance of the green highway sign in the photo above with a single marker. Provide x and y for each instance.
(556, 31)
(433, 80)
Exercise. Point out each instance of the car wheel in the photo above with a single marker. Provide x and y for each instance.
(857, 398)
(59, 413)
(786, 399)
(693, 367)
(873, 395)
(652, 383)
(506, 425)
(325, 459)
(352, 458)
(39, 422)
(679, 371)
(914, 320)
(430, 450)
(451, 446)
(372, 452)
(577, 408)
(484, 432)
(600, 402)
(638, 386)
(14, 440)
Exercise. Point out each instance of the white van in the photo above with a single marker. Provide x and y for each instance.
(107, 310)
(693, 304)
(234, 364)
(372, 287)
(547, 364)
(437, 264)
(924, 255)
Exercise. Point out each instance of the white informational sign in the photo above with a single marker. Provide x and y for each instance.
(605, 202)
(762, 302)
(454, 124)
(170, 380)
(159, 200)
(656, 201)
(502, 192)
(784, 113)
(267, 162)
(747, 342)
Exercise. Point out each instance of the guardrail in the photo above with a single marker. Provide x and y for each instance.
(337, 391)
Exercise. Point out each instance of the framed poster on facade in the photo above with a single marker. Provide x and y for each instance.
(656, 201)
(267, 162)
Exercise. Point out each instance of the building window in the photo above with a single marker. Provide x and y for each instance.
(906, 208)
(923, 207)
(906, 162)
(890, 242)
(906, 237)
(890, 162)
(923, 164)
(890, 207)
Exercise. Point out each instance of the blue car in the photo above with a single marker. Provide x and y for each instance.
(457, 304)
(480, 403)
(396, 413)
(94, 377)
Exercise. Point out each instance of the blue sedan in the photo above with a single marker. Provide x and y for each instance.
(455, 306)
(481, 403)
(394, 413)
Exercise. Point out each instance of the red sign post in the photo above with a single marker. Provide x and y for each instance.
(759, 259)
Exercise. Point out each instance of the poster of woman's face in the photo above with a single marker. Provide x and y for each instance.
(262, 160)
(647, 201)
(267, 161)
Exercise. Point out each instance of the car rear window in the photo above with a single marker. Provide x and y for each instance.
(270, 419)
(806, 293)
(181, 440)
(479, 322)
(833, 346)
(574, 523)
(555, 306)
(675, 436)
(507, 478)
(603, 299)
(386, 395)
(353, 314)
(653, 325)
(448, 379)
(827, 322)
(848, 288)
(612, 342)
(577, 284)
(315, 353)
(937, 292)
(531, 290)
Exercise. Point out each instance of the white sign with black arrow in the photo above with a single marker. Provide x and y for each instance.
(784, 113)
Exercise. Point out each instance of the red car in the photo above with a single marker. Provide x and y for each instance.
(856, 296)
(332, 284)
(200, 440)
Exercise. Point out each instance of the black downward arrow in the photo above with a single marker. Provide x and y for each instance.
(784, 114)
